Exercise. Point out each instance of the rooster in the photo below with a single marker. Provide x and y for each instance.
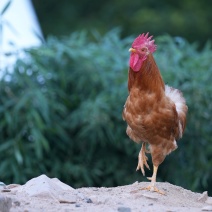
(155, 113)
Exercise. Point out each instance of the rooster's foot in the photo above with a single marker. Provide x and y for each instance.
(150, 187)
(154, 189)
(142, 159)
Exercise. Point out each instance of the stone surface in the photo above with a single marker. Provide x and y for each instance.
(42, 194)
(47, 188)
(150, 196)
(209, 200)
(124, 209)
(5, 204)
(203, 197)
(207, 208)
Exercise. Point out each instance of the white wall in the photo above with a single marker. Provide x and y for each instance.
(19, 28)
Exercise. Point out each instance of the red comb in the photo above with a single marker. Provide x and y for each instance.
(146, 41)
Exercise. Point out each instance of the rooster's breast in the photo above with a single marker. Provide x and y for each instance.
(149, 117)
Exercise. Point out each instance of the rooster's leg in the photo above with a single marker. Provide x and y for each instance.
(152, 186)
(142, 159)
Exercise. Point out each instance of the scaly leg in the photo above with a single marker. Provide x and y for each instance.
(142, 159)
(152, 186)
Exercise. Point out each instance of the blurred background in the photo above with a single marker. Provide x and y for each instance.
(188, 19)
(61, 98)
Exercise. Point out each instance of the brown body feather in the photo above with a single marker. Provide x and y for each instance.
(152, 115)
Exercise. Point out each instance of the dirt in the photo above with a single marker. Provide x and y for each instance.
(51, 195)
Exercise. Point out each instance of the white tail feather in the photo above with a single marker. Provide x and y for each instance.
(176, 96)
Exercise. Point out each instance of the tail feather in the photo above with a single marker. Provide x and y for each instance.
(177, 97)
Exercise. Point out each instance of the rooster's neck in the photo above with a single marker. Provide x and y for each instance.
(148, 78)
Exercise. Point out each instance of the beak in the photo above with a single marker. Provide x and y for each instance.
(132, 50)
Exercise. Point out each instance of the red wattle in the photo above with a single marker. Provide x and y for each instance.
(135, 62)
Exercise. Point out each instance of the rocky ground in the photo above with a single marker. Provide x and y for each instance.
(51, 195)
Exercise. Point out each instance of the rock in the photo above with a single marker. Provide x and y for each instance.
(124, 209)
(60, 184)
(12, 186)
(67, 198)
(203, 197)
(16, 203)
(46, 188)
(2, 186)
(5, 190)
(67, 201)
(97, 199)
(135, 183)
(209, 200)
(207, 208)
(5, 204)
(84, 198)
(149, 196)
(106, 200)
(88, 200)
(80, 195)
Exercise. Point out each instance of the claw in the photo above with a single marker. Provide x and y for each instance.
(142, 159)
(153, 188)
(150, 187)
(140, 163)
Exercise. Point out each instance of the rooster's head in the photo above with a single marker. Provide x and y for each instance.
(141, 47)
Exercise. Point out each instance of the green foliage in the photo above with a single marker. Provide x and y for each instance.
(61, 112)
(189, 19)
(61, 106)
